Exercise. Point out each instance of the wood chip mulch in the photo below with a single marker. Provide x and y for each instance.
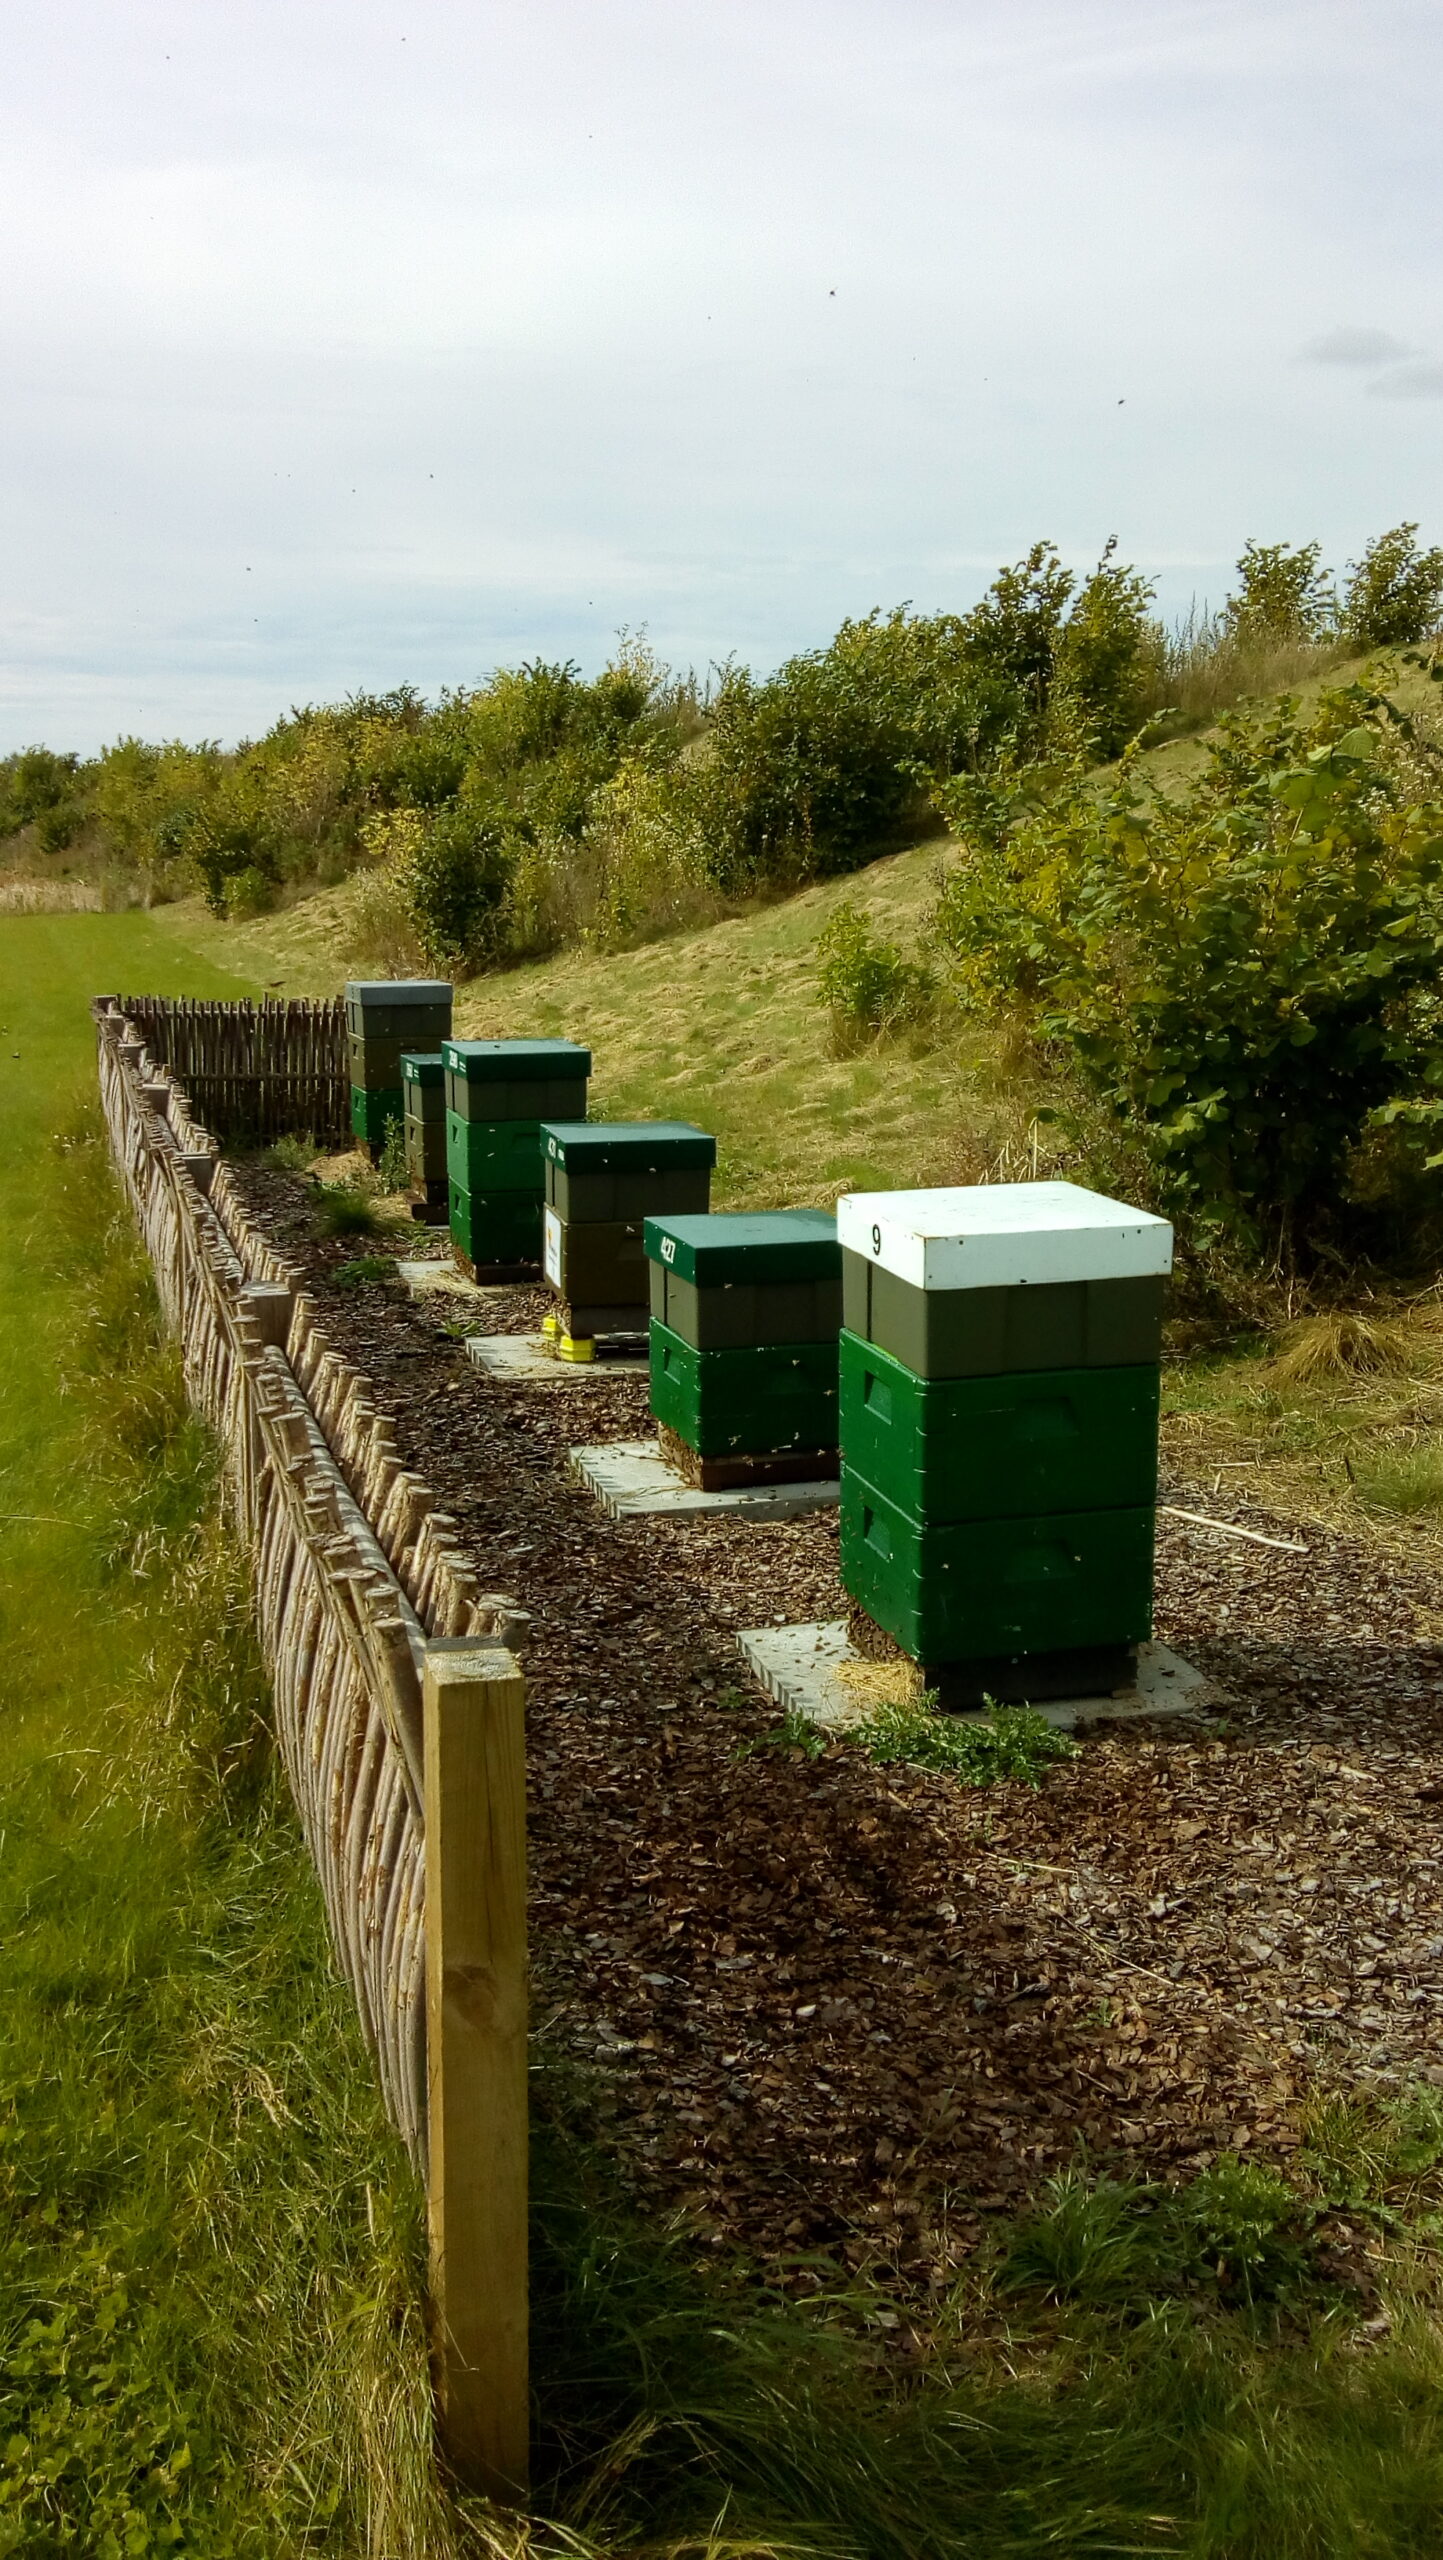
(839, 2012)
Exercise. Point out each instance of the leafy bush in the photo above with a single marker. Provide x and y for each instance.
(1247, 975)
(38, 787)
(1010, 1742)
(1395, 592)
(455, 886)
(1284, 594)
(867, 984)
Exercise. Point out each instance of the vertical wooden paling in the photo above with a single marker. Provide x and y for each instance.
(476, 2018)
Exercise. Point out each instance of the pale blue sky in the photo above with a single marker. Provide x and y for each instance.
(347, 344)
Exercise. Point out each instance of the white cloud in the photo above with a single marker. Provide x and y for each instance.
(347, 345)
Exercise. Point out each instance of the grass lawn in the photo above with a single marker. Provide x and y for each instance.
(208, 2339)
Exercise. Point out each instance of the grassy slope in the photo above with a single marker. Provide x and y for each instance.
(198, 2329)
(721, 1026)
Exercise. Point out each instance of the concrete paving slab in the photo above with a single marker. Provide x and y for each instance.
(817, 1669)
(630, 1476)
(439, 1276)
(529, 1358)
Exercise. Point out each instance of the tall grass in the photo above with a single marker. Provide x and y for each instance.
(1198, 668)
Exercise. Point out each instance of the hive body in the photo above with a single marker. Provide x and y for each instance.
(745, 1312)
(496, 1095)
(602, 1180)
(387, 1019)
(998, 1427)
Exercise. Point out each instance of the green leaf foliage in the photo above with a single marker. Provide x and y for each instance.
(1247, 975)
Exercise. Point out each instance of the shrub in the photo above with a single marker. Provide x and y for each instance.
(1247, 974)
(1284, 595)
(455, 885)
(392, 1170)
(867, 984)
(1394, 592)
(37, 787)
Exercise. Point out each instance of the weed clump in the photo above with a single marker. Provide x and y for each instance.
(369, 1267)
(344, 1209)
(1009, 1742)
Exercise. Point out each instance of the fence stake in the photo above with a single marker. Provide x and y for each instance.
(475, 1747)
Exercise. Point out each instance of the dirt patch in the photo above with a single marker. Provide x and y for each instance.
(841, 2009)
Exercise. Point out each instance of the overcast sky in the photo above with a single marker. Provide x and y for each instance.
(347, 345)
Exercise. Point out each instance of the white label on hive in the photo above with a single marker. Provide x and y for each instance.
(551, 1246)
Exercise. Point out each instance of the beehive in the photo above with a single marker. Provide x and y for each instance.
(496, 1096)
(603, 1179)
(423, 1086)
(998, 1424)
(745, 1312)
(386, 1018)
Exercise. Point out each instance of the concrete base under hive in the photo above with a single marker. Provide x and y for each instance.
(817, 1670)
(529, 1359)
(631, 1476)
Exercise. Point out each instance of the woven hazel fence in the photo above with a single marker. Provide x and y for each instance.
(398, 1717)
(256, 1071)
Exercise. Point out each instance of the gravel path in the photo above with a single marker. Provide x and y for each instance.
(842, 2009)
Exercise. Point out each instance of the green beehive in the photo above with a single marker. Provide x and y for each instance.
(494, 1096)
(423, 1084)
(999, 1403)
(602, 1180)
(532, 1080)
(744, 1318)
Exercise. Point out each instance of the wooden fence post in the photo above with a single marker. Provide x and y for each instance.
(476, 2017)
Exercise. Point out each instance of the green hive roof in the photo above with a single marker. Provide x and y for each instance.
(772, 1244)
(386, 991)
(515, 1061)
(625, 1146)
(422, 1066)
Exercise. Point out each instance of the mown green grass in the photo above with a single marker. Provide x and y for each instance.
(209, 2339)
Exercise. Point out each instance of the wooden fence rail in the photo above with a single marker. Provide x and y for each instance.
(398, 1717)
(257, 1071)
